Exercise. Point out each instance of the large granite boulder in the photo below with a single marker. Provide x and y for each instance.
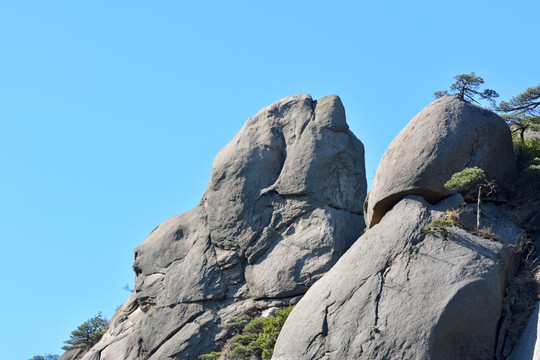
(405, 292)
(283, 203)
(447, 136)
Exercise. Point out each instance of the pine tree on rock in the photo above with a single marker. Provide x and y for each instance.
(466, 88)
(467, 179)
(87, 334)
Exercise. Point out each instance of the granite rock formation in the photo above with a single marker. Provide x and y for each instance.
(280, 224)
(283, 203)
(402, 292)
(408, 290)
(447, 136)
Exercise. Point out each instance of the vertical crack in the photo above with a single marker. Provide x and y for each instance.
(378, 298)
(382, 275)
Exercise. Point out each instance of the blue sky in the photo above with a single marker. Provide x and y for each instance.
(111, 113)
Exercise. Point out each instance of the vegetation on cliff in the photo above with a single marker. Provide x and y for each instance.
(87, 334)
(256, 339)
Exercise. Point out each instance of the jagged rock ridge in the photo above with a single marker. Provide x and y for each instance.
(283, 203)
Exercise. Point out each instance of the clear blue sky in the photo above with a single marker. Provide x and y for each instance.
(111, 113)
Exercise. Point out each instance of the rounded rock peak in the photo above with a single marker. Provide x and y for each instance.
(447, 136)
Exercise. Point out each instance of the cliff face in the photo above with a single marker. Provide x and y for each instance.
(283, 203)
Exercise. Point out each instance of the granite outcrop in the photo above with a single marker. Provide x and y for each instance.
(283, 203)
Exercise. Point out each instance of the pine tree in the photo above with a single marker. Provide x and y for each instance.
(466, 88)
(45, 357)
(467, 179)
(528, 102)
(87, 334)
(522, 112)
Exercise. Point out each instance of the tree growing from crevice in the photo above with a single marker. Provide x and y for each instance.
(467, 87)
(87, 334)
(466, 180)
(257, 337)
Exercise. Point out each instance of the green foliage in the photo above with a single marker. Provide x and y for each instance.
(528, 102)
(520, 122)
(440, 223)
(527, 153)
(211, 356)
(466, 88)
(46, 357)
(256, 325)
(243, 352)
(528, 159)
(522, 112)
(465, 179)
(237, 322)
(87, 334)
(244, 339)
(259, 337)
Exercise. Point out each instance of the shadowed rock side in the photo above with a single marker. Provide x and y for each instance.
(283, 203)
(404, 293)
(528, 346)
(444, 138)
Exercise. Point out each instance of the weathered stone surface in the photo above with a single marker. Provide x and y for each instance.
(302, 254)
(71, 354)
(403, 293)
(302, 166)
(492, 220)
(177, 263)
(444, 138)
(120, 340)
(283, 203)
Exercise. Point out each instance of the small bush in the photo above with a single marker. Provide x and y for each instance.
(259, 337)
(528, 159)
(440, 223)
(244, 339)
(256, 326)
(211, 356)
(527, 152)
(237, 322)
(466, 178)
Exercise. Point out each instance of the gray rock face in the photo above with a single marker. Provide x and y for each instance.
(494, 219)
(403, 293)
(444, 138)
(283, 203)
(71, 354)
